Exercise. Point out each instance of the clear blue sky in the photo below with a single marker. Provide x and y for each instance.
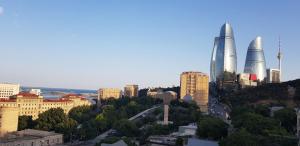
(90, 44)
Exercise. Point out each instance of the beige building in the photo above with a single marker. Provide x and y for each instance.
(30, 137)
(8, 120)
(195, 85)
(7, 90)
(273, 75)
(105, 93)
(131, 90)
(32, 104)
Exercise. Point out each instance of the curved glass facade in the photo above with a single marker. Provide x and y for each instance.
(226, 58)
(255, 59)
(213, 61)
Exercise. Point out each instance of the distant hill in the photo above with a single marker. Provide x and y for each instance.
(285, 93)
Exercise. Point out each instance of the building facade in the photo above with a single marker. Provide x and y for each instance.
(105, 93)
(30, 137)
(196, 85)
(255, 60)
(7, 90)
(225, 57)
(32, 104)
(8, 120)
(131, 90)
(273, 75)
(213, 61)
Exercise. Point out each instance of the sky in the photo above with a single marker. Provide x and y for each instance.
(91, 44)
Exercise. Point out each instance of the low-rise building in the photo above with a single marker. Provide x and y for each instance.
(7, 90)
(188, 130)
(30, 137)
(32, 104)
(246, 80)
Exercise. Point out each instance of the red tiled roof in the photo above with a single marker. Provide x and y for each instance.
(27, 94)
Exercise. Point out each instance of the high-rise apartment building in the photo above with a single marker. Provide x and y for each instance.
(7, 90)
(195, 85)
(104, 93)
(131, 90)
(273, 75)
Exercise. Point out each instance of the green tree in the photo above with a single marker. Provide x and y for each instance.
(212, 128)
(81, 113)
(56, 120)
(25, 122)
(126, 127)
(258, 124)
(287, 118)
(241, 138)
(262, 110)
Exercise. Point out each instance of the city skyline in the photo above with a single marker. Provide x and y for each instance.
(108, 44)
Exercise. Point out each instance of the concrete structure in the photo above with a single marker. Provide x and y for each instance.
(195, 84)
(255, 60)
(167, 97)
(188, 130)
(279, 57)
(199, 142)
(131, 90)
(8, 120)
(35, 91)
(273, 75)
(30, 137)
(32, 105)
(105, 93)
(162, 140)
(118, 143)
(225, 58)
(7, 90)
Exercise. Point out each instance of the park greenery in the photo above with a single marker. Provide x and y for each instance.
(252, 123)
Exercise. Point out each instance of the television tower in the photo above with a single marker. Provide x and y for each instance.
(279, 57)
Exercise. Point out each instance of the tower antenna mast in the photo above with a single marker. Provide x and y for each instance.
(279, 57)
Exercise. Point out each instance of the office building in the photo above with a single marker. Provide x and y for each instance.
(131, 90)
(225, 64)
(32, 104)
(255, 59)
(31, 137)
(195, 84)
(273, 75)
(8, 120)
(7, 90)
(105, 93)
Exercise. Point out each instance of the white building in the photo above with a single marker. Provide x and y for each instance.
(35, 91)
(7, 90)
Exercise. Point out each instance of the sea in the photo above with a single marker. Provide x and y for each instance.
(49, 93)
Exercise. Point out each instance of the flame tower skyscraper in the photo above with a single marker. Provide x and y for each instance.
(255, 59)
(225, 55)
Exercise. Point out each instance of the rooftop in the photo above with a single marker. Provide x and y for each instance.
(27, 134)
